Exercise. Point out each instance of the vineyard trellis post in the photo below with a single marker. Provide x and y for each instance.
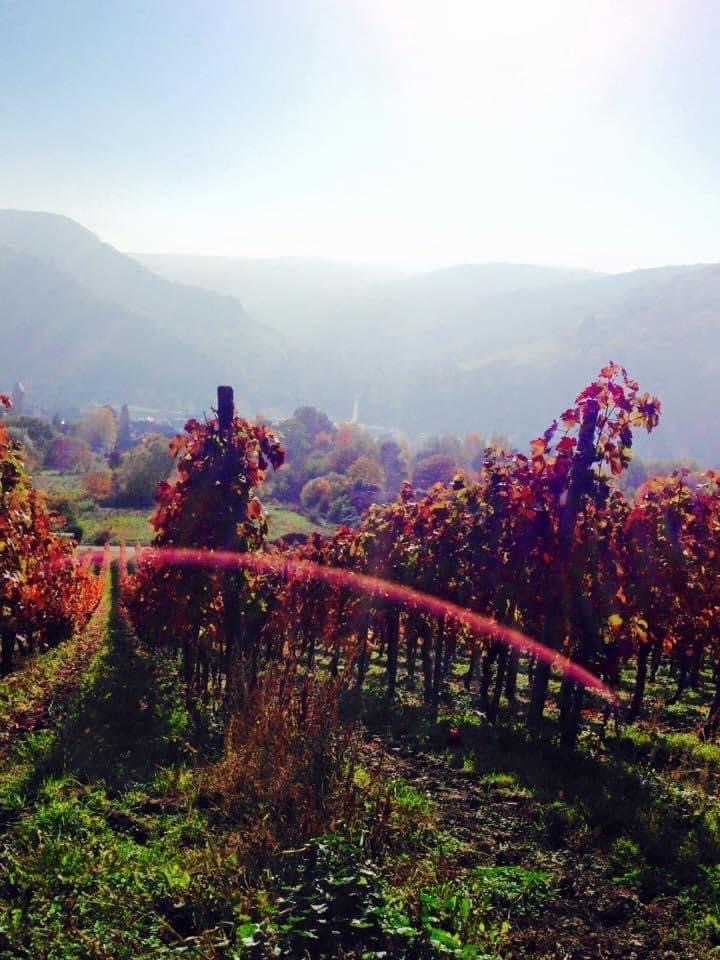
(234, 665)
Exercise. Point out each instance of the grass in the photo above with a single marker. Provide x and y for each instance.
(283, 522)
(100, 523)
(108, 848)
(20, 691)
(56, 481)
(133, 525)
(643, 805)
(104, 853)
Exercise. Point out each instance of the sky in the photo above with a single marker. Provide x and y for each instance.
(559, 132)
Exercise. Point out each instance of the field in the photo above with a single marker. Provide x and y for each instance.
(100, 523)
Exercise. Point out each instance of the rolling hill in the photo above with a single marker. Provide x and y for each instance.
(473, 347)
(83, 322)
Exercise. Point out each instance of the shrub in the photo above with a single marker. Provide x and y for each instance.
(98, 484)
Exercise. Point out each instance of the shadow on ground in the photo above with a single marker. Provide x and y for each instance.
(129, 719)
(597, 795)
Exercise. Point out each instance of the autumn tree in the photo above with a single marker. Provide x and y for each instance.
(68, 453)
(98, 485)
(99, 429)
(350, 442)
(437, 468)
(319, 494)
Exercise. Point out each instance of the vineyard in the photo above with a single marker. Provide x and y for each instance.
(46, 595)
(539, 547)
(480, 724)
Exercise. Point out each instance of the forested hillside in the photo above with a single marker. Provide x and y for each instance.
(473, 347)
(85, 323)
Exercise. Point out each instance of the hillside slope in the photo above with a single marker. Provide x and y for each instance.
(120, 331)
(494, 347)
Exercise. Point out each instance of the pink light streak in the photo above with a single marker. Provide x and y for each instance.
(385, 590)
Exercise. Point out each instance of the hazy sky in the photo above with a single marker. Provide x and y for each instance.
(550, 131)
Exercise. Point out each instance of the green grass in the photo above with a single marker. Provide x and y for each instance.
(54, 481)
(110, 848)
(116, 525)
(283, 521)
(133, 525)
(104, 851)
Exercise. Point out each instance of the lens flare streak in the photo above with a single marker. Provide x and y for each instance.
(387, 590)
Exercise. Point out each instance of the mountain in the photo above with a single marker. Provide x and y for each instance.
(514, 361)
(304, 296)
(499, 347)
(71, 347)
(66, 289)
(296, 295)
(476, 347)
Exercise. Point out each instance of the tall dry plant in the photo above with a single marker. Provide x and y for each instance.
(289, 759)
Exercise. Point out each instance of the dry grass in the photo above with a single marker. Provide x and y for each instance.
(288, 769)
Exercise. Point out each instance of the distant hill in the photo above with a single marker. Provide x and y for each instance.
(304, 295)
(296, 295)
(72, 348)
(123, 332)
(513, 361)
(493, 346)
(485, 347)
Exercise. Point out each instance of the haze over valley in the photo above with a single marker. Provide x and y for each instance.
(489, 347)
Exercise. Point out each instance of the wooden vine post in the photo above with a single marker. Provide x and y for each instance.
(234, 672)
(582, 482)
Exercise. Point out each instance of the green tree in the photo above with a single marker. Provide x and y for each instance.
(141, 469)
(39, 432)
